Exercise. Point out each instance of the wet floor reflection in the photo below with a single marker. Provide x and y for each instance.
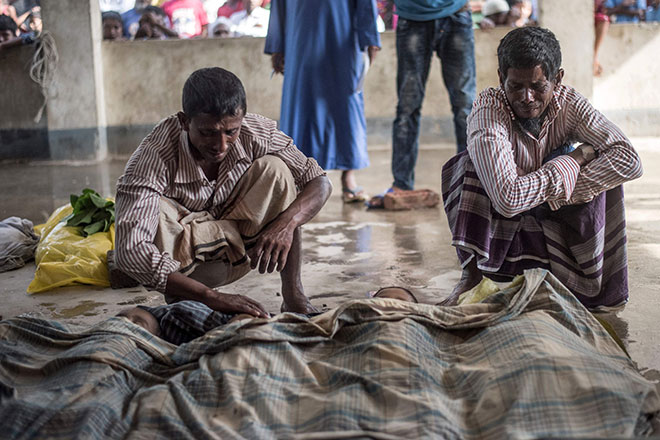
(35, 191)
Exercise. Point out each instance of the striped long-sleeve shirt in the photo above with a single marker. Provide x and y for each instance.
(509, 159)
(164, 166)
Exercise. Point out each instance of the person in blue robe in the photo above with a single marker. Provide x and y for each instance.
(321, 47)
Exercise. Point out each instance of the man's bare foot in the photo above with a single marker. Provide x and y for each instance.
(299, 305)
(470, 277)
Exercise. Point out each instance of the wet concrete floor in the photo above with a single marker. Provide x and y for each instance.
(347, 249)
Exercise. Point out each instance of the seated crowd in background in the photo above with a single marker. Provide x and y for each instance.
(629, 11)
(509, 13)
(237, 18)
(20, 22)
(160, 19)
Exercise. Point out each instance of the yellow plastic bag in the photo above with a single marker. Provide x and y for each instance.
(484, 289)
(65, 257)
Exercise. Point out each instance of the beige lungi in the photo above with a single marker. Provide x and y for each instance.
(213, 251)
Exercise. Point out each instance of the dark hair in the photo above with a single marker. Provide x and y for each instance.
(528, 47)
(215, 91)
(7, 24)
(155, 9)
(111, 15)
(414, 298)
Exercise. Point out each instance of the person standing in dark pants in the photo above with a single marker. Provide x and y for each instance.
(425, 27)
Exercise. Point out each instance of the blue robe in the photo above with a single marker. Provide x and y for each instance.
(322, 104)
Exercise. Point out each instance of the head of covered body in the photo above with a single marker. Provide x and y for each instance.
(529, 70)
(395, 292)
(214, 104)
(142, 318)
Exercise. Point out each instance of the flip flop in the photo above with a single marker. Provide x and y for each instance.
(378, 202)
(354, 195)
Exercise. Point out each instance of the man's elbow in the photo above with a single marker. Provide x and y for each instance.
(631, 168)
(324, 188)
(504, 207)
(637, 170)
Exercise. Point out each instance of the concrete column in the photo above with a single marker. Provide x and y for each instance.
(572, 22)
(76, 108)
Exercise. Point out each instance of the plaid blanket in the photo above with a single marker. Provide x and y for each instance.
(528, 362)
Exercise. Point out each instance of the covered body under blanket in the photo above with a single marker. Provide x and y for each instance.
(530, 361)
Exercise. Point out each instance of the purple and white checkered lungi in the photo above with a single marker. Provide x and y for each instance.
(584, 246)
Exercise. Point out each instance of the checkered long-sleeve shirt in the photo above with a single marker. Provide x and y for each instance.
(184, 321)
(164, 166)
(509, 159)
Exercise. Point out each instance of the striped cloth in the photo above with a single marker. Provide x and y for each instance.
(530, 362)
(184, 321)
(164, 166)
(512, 210)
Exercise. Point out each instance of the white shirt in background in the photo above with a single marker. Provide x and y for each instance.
(120, 6)
(253, 25)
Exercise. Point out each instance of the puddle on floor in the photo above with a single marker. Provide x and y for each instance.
(134, 301)
(329, 295)
(85, 308)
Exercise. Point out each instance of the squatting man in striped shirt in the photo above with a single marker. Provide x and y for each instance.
(540, 184)
(212, 192)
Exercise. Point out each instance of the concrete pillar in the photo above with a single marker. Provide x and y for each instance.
(572, 22)
(76, 108)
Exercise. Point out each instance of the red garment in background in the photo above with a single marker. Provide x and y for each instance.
(600, 12)
(227, 9)
(186, 16)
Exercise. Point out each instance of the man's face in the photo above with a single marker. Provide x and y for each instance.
(6, 35)
(528, 90)
(112, 29)
(210, 136)
(147, 24)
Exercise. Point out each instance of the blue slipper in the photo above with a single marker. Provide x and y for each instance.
(378, 202)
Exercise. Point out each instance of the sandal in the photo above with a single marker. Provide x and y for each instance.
(378, 202)
(353, 195)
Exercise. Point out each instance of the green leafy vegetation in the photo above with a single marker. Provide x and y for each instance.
(91, 212)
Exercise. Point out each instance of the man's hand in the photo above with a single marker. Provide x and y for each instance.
(583, 154)
(372, 51)
(486, 24)
(227, 303)
(272, 248)
(183, 287)
(277, 59)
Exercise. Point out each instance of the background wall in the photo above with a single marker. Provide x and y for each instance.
(143, 82)
(628, 92)
(20, 136)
